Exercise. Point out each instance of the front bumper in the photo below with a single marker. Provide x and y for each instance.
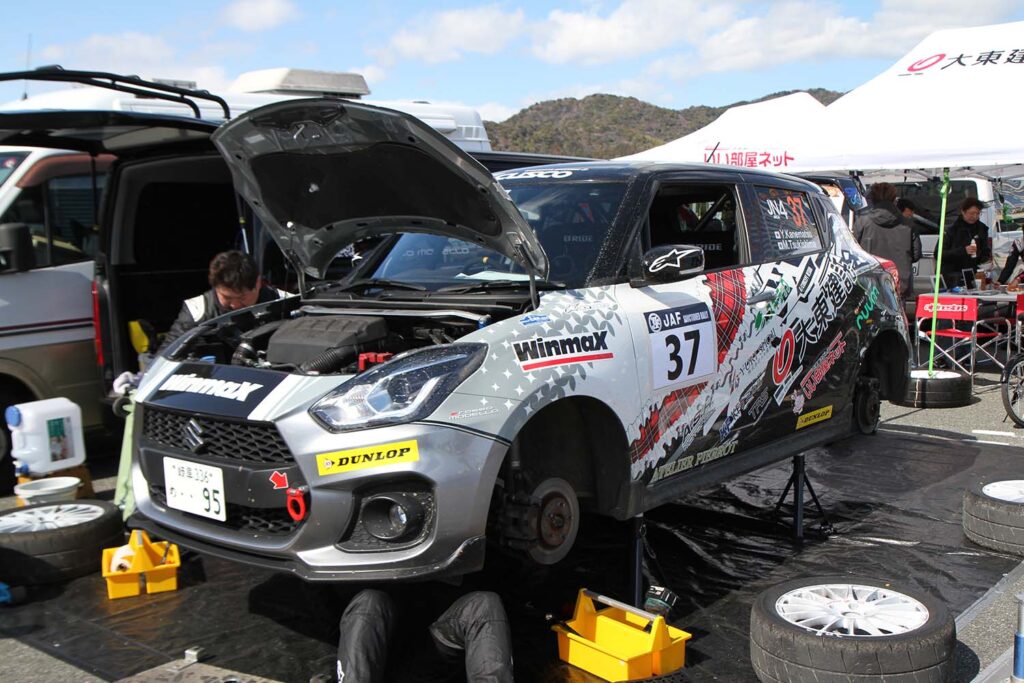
(453, 476)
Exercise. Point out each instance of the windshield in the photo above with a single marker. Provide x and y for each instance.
(8, 162)
(571, 221)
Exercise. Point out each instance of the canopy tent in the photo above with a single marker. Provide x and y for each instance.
(756, 135)
(954, 101)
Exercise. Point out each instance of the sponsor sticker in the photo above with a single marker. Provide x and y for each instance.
(819, 415)
(683, 347)
(534, 319)
(367, 457)
(691, 461)
(472, 413)
(546, 352)
(192, 384)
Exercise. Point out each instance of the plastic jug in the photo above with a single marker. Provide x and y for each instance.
(46, 436)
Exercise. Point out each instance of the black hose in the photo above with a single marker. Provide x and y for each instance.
(328, 361)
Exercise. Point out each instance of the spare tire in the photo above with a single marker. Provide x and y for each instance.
(943, 389)
(51, 542)
(836, 629)
(994, 515)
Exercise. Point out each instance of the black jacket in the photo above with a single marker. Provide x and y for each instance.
(205, 307)
(1011, 260)
(881, 231)
(955, 258)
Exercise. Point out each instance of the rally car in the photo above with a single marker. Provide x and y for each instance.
(509, 353)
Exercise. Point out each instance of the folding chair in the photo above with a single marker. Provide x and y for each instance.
(960, 309)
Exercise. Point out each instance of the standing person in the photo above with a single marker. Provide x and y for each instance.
(881, 231)
(965, 244)
(235, 283)
(908, 209)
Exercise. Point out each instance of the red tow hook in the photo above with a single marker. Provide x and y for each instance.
(296, 503)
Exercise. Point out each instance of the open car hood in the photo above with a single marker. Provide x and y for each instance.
(323, 173)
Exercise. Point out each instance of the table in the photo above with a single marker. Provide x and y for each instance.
(993, 295)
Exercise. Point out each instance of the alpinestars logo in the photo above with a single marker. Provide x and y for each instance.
(238, 391)
(545, 353)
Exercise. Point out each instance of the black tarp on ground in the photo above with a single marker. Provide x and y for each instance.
(894, 500)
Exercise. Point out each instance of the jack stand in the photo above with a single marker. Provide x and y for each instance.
(636, 570)
(797, 481)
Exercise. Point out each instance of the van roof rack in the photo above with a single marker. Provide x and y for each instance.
(129, 84)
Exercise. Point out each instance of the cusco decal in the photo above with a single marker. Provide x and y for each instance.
(546, 352)
(353, 459)
(819, 415)
(683, 349)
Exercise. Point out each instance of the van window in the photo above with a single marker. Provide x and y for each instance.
(60, 216)
(787, 225)
(926, 197)
(8, 162)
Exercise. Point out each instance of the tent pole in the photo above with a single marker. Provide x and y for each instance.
(938, 270)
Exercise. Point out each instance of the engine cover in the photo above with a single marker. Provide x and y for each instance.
(302, 339)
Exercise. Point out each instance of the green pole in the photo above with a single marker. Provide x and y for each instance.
(938, 269)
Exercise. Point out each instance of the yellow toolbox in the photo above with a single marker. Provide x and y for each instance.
(125, 566)
(619, 642)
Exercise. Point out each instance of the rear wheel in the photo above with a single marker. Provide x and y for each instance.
(1012, 390)
(867, 405)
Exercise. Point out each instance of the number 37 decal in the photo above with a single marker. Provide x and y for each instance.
(683, 349)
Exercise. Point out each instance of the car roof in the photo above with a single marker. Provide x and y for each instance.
(622, 170)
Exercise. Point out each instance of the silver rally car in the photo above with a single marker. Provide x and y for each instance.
(509, 353)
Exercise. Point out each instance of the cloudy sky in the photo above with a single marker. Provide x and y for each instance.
(496, 56)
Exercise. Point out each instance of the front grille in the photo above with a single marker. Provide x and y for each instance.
(266, 521)
(256, 442)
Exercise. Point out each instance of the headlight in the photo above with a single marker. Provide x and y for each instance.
(405, 389)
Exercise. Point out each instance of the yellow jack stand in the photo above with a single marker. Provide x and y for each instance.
(157, 562)
(621, 642)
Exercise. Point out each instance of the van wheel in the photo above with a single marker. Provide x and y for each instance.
(51, 542)
(850, 628)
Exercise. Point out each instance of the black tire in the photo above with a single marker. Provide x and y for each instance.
(781, 651)
(45, 555)
(1012, 389)
(946, 389)
(867, 406)
(993, 522)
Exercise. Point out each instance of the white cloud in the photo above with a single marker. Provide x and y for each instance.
(494, 111)
(801, 30)
(136, 53)
(373, 73)
(447, 36)
(635, 27)
(258, 15)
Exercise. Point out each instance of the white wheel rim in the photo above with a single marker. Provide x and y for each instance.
(1009, 491)
(842, 609)
(936, 374)
(49, 517)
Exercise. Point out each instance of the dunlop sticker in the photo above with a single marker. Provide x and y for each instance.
(819, 415)
(366, 457)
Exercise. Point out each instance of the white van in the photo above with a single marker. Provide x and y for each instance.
(51, 336)
(924, 192)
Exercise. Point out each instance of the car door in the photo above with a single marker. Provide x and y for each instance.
(689, 335)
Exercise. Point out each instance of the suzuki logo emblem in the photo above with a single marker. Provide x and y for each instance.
(192, 432)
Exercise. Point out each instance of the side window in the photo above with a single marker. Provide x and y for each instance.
(700, 215)
(60, 217)
(785, 227)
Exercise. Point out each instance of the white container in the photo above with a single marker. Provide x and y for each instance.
(51, 490)
(46, 435)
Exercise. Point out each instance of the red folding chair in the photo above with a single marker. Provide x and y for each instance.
(983, 335)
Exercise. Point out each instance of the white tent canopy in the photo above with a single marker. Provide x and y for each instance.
(955, 100)
(756, 135)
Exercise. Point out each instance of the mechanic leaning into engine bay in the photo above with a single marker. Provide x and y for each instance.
(235, 283)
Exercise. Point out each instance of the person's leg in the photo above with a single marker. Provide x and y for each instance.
(477, 624)
(366, 629)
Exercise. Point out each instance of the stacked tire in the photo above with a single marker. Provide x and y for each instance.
(837, 629)
(50, 542)
(993, 515)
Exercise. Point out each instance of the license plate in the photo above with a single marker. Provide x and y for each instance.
(195, 488)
